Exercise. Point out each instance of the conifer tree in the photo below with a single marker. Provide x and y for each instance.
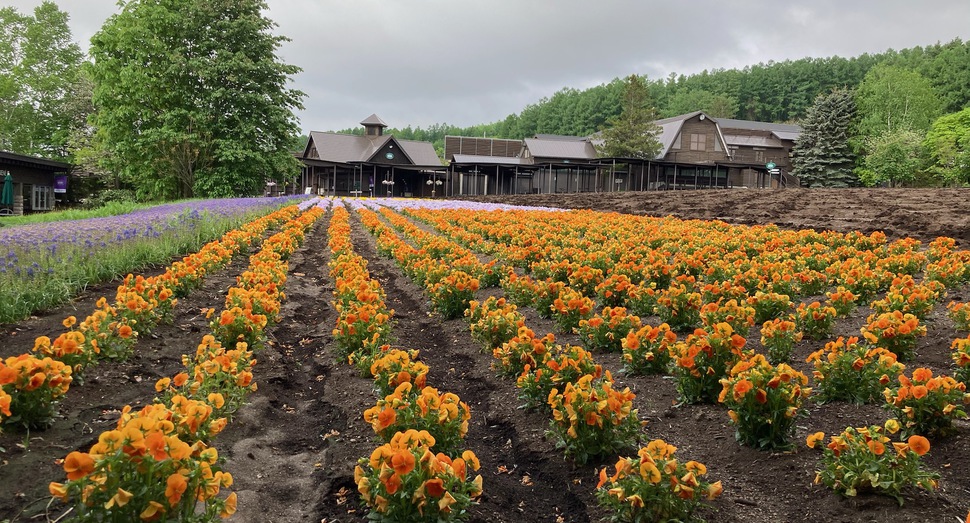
(822, 156)
(633, 134)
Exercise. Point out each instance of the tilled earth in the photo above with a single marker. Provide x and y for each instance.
(293, 447)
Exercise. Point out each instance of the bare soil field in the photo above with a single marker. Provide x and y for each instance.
(293, 447)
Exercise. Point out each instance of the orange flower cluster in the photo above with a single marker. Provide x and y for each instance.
(842, 300)
(960, 314)
(778, 337)
(570, 308)
(703, 359)
(525, 349)
(591, 419)
(909, 297)
(848, 370)
(158, 453)
(493, 322)
(739, 317)
(894, 331)
(646, 350)
(764, 401)
(865, 459)
(162, 451)
(655, 486)
(769, 305)
(607, 330)
(443, 415)
(815, 320)
(405, 480)
(961, 358)
(927, 404)
(564, 365)
(394, 367)
(30, 388)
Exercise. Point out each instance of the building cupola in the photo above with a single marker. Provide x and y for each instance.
(373, 126)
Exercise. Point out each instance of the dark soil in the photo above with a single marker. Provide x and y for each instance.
(293, 447)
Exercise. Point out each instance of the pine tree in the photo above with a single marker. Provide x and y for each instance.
(632, 134)
(822, 156)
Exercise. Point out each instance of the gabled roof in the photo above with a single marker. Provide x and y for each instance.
(670, 129)
(565, 149)
(420, 153)
(787, 135)
(349, 148)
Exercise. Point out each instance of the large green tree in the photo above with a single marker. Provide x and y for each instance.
(892, 98)
(948, 144)
(632, 134)
(192, 98)
(822, 156)
(894, 158)
(42, 100)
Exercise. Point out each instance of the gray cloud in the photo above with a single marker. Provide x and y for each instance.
(419, 62)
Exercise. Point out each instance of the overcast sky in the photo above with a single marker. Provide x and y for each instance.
(419, 62)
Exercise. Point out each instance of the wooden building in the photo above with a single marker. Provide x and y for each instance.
(36, 181)
(372, 164)
(697, 151)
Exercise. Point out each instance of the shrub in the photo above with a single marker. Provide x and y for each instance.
(591, 419)
(404, 480)
(764, 402)
(926, 404)
(654, 487)
(847, 370)
(647, 349)
(702, 359)
(606, 331)
(864, 459)
(444, 416)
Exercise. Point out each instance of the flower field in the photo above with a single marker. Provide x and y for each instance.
(439, 360)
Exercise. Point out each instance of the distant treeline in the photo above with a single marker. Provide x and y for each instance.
(768, 92)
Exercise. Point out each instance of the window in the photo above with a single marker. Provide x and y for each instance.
(43, 198)
(759, 155)
(698, 142)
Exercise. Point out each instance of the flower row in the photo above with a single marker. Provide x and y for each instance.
(159, 462)
(590, 418)
(35, 383)
(420, 473)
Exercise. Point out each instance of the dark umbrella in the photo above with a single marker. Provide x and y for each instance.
(6, 198)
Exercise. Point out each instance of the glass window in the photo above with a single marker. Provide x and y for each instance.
(698, 142)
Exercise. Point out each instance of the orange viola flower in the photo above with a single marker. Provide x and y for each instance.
(174, 488)
(919, 444)
(402, 462)
(77, 465)
(125, 331)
